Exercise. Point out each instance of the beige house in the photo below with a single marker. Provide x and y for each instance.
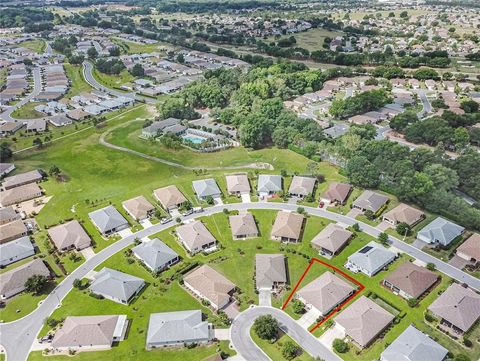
(243, 226)
(270, 271)
(8, 215)
(169, 197)
(410, 280)
(70, 235)
(331, 240)
(138, 208)
(195, 237)
(12, 230)
(301, 187)
(22, 179)
(287, 227)
(337, 193)
(404, 214)
(13, 282)
(208, 284)
(20, 194)
(237, 184)
(470, 249)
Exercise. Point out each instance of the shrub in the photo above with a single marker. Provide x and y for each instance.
(298, 306)
(290, 350)
(467, 342)
(431, 266)
(429, 317)
(412, 302)
(340, 346)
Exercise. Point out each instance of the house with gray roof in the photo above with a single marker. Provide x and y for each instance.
(8, 215)
(301, 187)
(177, 328)
(156, 128)
(70, 235)
(16, 250)
(336, 131)
(269, 184)
(270, 271)
(370, 201)
(371, 259)
(206, 187)
(156, 255)
(6, 168)
(108, 220)
(116, 286)
(22, 179)
(440, 231)
(331, 240)
(414, 345)
(13, 282)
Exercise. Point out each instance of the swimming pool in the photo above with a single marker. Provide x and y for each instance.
(193, 138)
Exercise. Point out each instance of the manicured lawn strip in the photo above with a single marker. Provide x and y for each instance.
(28, 111)
(36, 45)
(274, 350)
(78, 84)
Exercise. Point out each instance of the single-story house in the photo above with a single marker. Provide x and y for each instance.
(6, 168)
(243, 226)
(60, 120)
(108, 220)
(8, 215)
(363, 321)
(414, 345)
(208, 284)
(16, 250)
(440, 231)
(138, 208)
(195, 237)
(371, 259)
(177, 328)
(77, 114)
(12, 230)
(21, 179)
(157, 127)
(458, 309)
(206, 187)
(237, 184)
(404, 214)
(410, 280)
(70, 235)
(169, 197)
(36, 125)
(287, 227)
(156, 255)
(332, 239)
(325, 293)
(337, 193)
(269, 184)
(13, 282)
(90, 333)
(301, 187)
(20, 194)
(470, 249)
(270, 271)
(370, 201)
(116, 286)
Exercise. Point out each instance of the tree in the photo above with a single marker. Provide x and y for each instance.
(36, 284)
(290, 350)
(383, 238)
(469, 106)
(54, 171)
(403, 229)
(442, 177)
(266, 327)
(412, 302)
(339, 345)
(38, 142)
(5, 151)
(92, 53)
(362, 173)
(298, 306)
(114, 51)
(77, 283)
(181, 58)
(461, 357)
(461, 138)
(431, 266)
(137, 70)
(210, 200)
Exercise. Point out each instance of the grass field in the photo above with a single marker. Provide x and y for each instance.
(78, 83)
(274, 350)
(113, 81)
(312, 39)
(130, 47)
(27, 111)
(37, 45)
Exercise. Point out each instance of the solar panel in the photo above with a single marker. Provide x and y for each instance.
(365, 249)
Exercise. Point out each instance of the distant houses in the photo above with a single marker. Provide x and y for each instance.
(440, 231)
(108, 220)
(156, 255)
(370, 260)
(21, 179)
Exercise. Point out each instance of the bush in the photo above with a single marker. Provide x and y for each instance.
(290, 350)
(266, 327)
(467, 342)
(429, 317)
(412, 302)
(431, 266)
(298, 306)
(340, 346)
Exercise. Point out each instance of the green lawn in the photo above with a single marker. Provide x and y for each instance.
(274, 350)
(36, 45)
(130, 47)
(312, 39)
(27, 111)
(113, 81)
(78, 84)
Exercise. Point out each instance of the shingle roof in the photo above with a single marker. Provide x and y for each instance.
(107, 218)
(332, 238)
(206, 187)
(288, 224)
(371, 200)
(13, 249)
(237, 183)
(12, 229)
(371, 257)
(154, 253)
(471, 247)
(19, 194)
(337, 192)
(243, 224)
(269, 183)
(302, 185)
(269, 269)
(195, 234)
(138, 207)
(7, 214)
(169, 196)
(22, 178)
(16, 278)
(404, 214)
(68, 235)
(116, 284)
(441, 230)
(412, 279)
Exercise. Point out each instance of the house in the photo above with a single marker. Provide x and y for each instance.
(370, 201)
(156, 255)
(21, 179)
(404, 214)
(337, 193)
(206, 188)
(108, 220)
(60, 120)
(414, 345)
(20, 194)
(177, 328)
(243, 226)
(301, 187)
(16, 250)
(440, 231)
(410, 280)
(195, 237)
(331, 240)
(138, 208)
(325, 293)
(157, 127)
(169, 197)
(8, 215)
(269, 184)
(470, 249)
(6, 168)
(70, 235)
(238, 184)
(77, 114)
(116, 286)
(12, 230)
(13, 282)
(370, 260)
(36, 125)
(9, 128)
(363, 321)
(270, 271)
(336, 131)
(287, 227)
(208, 284)
(458, 309)
(90, 333)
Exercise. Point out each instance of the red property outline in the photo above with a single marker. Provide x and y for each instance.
(336, 309)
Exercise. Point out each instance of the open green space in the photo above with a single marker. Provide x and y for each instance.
(36, 45)
(113, 81)
(78, 84)
(274, 350)
(27, 111)
(130, 47)
(311, 39)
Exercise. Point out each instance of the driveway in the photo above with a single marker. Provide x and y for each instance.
(331, 334)
(309, 318)
(125, 232)
(418, 244)
(265, 297)
(87, 252)
(231, 310)
(218, 201)
(245, 198)
(458, 262)
(146, 223)
(222, 334)
(354, 212)
(384, 225)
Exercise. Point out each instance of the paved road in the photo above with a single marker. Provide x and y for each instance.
(18, 336)
(48, 49)
(246, 347)
(427, 107)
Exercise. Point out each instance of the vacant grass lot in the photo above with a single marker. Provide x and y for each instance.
(130, 47)
(78, 84)
(37, 45)
(312, 39)
(28, 111)
(113, 81)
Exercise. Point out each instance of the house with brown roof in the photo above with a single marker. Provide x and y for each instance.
(20, 194)
(287, 227)
(301, 187)
(458, 309)
(237, 184)
(90, 333)
(363, 321)
(208, 284)
(12, 230)
(410, 280)
(22, 179)
(337, 193)
(331, 240)
(70, 235)
(195, 237)
(8, 214)
(470, 249)
(325, 293)
(243, 226)
(270, 271)
(138, 208)
(404, 214)
(169, 197)
(13, 282)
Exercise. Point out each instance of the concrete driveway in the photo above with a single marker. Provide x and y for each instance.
(418, 244)
(125, 233)
(331, 334)
(146, 223)
(458, 262)
(265, 297)
(309, 318)
(354, 212)
(383, 226)
(218, 201)
(245, 198)
(87, 252)
(222, 333)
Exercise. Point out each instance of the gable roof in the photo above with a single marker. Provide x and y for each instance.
(404, 214)
(414, 345)
(138, 207)
(15, 248)
(69, 234)
(302, 185)
(371, 200)
(458, 305)
(412, 279)
(107, 218)
(20, 194)
(363, 320)
(237, 183)
(337, 192)
(195, 234)
(441, 230)
(16, 278)
(206, 187)
(116, 284)
(243, 224)
(269, 269)
(169, 196)
(269, 183)
(372, 257)
(154, 253)
(22, 178)
(332, 238)
(12, 230)
(471, 247)
(288, 224)
(8, 214)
